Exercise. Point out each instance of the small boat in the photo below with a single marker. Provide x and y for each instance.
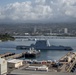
(32, 53)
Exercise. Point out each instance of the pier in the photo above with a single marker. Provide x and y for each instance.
(69, 61)
(6, 54)
(16, 56)
(20, 55)
(12, 55)
(34, 37)
(42, 37)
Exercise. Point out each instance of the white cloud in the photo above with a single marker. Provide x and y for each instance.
(70, 8)
(64, 7)
(38, 10)
(40, 1)
(2, 15)
(26, 11)
(71, 12)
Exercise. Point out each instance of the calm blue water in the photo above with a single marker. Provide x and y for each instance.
(9, 46)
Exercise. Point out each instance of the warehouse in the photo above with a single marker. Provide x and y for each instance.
(15, 63)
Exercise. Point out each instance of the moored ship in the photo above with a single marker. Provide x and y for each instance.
(44, 45)
(32, 53)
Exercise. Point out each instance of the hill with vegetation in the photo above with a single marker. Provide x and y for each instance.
(6, 37)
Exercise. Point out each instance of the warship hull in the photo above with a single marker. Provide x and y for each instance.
(43, 45)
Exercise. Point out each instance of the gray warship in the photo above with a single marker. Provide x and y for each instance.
(44, 45)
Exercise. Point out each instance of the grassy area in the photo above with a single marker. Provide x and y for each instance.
(6, 37)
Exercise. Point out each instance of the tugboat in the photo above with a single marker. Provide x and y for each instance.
(44, 45)
(32, 53)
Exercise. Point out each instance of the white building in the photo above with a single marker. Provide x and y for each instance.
(65, 30)
(14, 63)
(3, 66)
(38, 68)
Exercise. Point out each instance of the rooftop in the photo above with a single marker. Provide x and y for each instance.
(15, 61)
(2, 60)
(24, 72)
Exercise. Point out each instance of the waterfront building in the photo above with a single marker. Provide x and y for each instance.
(65, 30)
(35, 29)
(3, 66)
(14, 63)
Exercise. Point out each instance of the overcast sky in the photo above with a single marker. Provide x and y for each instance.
(37, 10)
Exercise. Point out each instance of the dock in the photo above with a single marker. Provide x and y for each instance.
(69, 62)
(16, 56)
(12, 55)
(23, 72)
(6, 54)
(41, 37)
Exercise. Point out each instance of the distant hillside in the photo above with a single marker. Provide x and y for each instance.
(22, 28)
(6, 37)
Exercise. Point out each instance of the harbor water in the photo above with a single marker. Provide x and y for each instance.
(10, 46)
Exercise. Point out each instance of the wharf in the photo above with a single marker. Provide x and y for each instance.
(20, 55)
(69, 62)
(6, 54)
(65, 65)
(23, 72)
(16, 56)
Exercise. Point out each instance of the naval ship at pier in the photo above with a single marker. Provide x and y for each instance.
(44, 45)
